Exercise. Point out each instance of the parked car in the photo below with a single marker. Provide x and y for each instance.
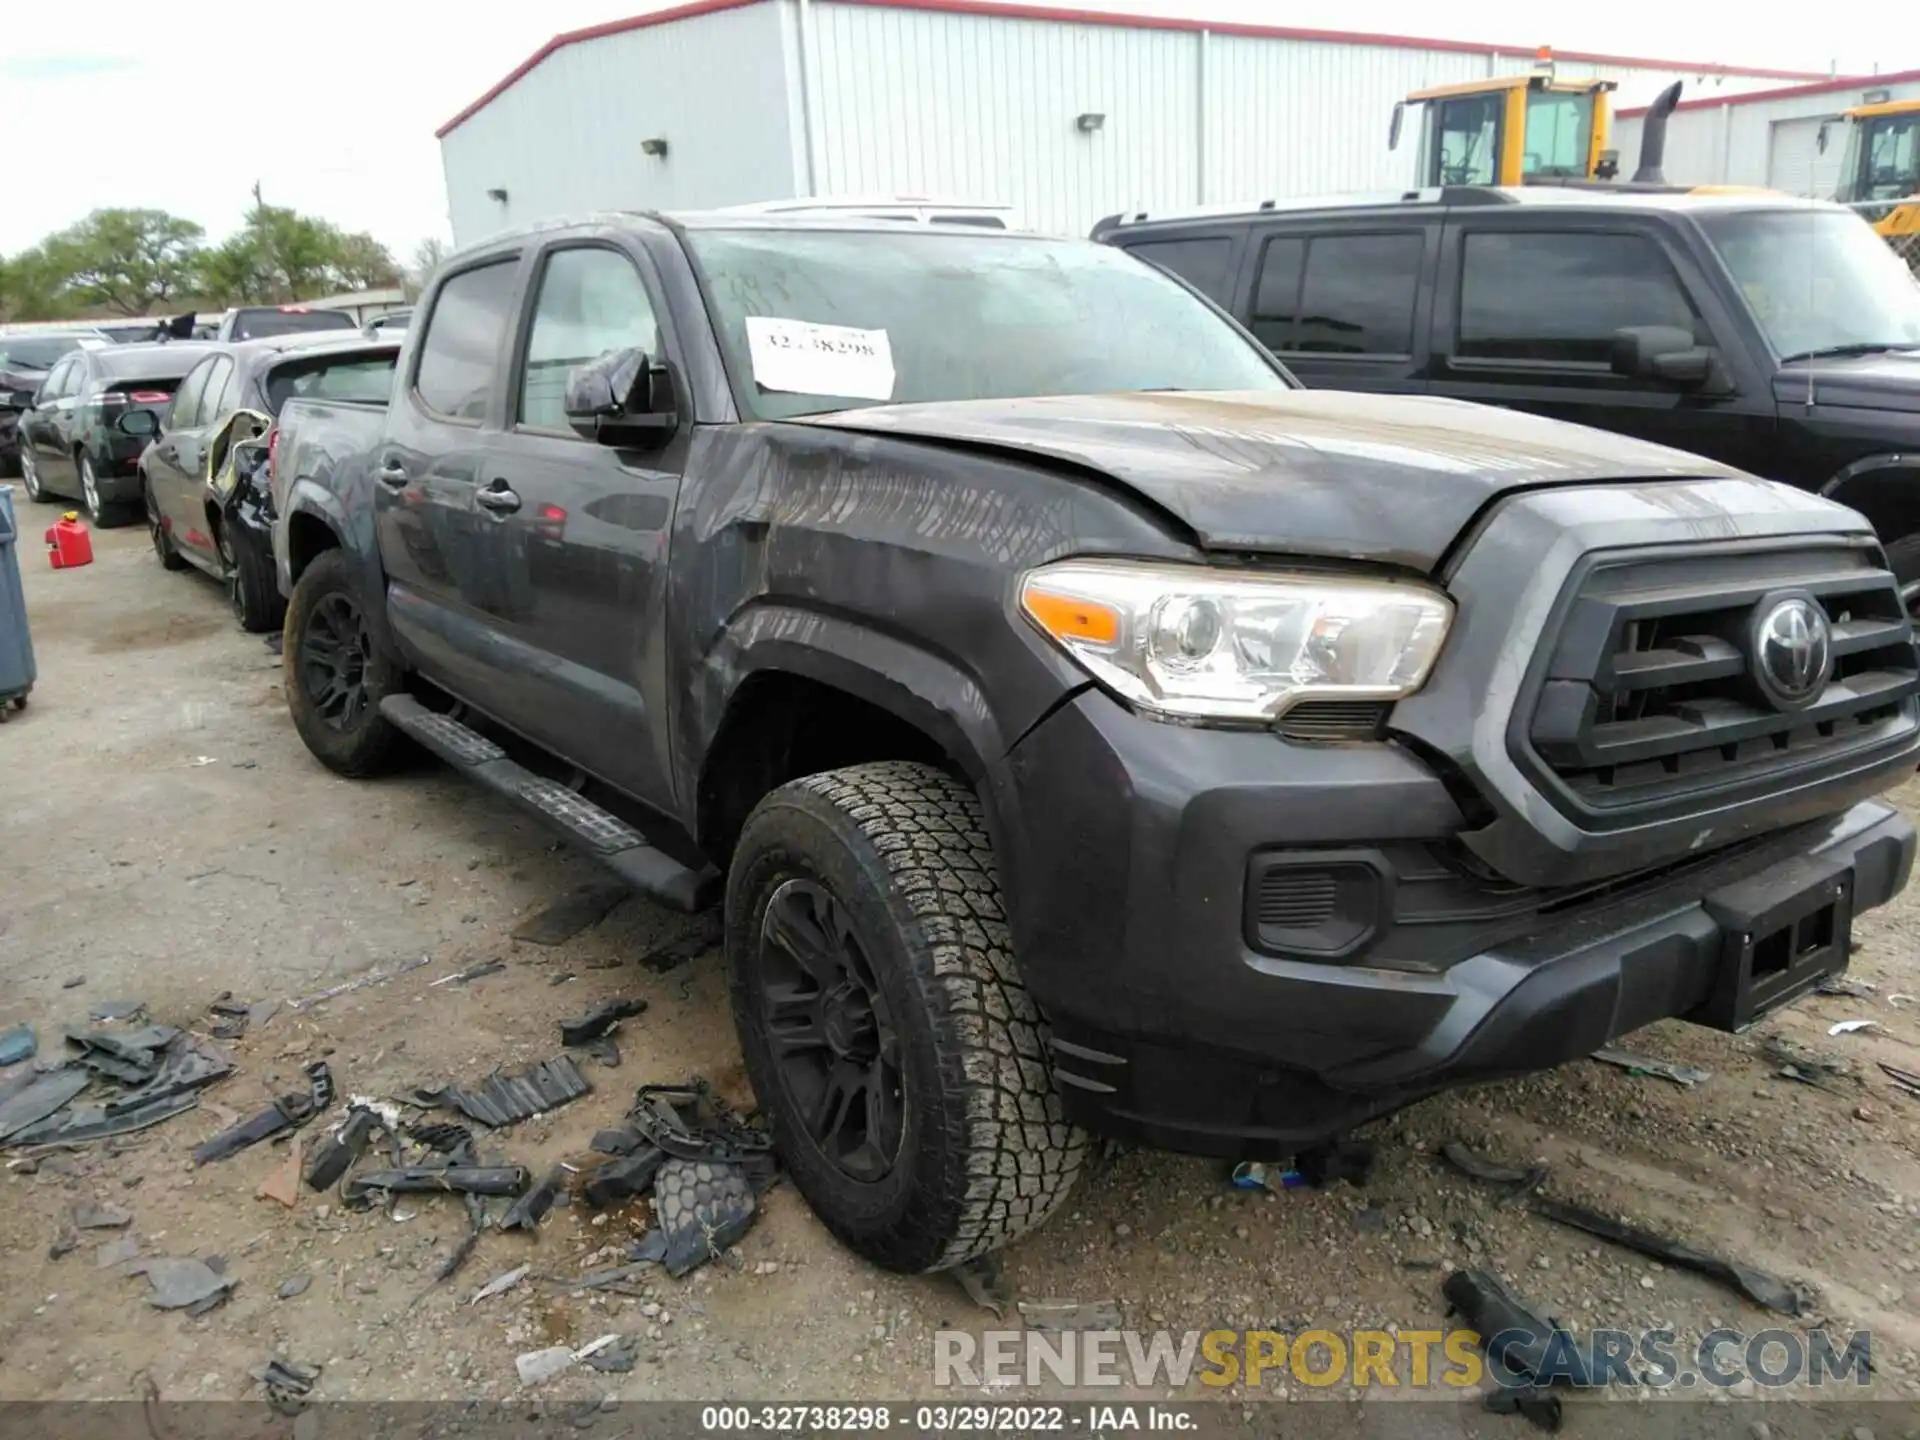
(1095, 730)
(1778, 335)
(72, 442)
(390, 324)
(197, 477)
(257, 322)
(25, 361)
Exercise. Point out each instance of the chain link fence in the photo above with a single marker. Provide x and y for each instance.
(1898, 222)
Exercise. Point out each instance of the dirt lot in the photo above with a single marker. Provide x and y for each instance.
(166, 838)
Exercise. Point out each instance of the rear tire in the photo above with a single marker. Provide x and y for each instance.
(104, 513)
(251, 589)
(163, 547)
(336, 673)
(883, 1022)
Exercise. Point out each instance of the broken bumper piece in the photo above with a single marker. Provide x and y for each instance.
(502, 1100)
(374, 1185)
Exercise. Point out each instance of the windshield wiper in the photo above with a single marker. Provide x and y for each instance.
(1841, 352)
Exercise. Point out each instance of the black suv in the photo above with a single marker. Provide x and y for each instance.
(1092, 727)
(1777, 335)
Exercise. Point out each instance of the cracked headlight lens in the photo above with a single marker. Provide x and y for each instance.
(1189, 642)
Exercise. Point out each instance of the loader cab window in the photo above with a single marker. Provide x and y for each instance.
(1893, 158)
(1559, 133)
(1465, 136)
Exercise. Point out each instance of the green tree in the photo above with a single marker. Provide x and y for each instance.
(127, 261)
(30, 289)
(233, 272)
(362, 263)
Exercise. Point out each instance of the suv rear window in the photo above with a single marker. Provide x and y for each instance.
(1559, 296)
(362, 379)
(256, 324)
(1339, 294)
(1202, 263)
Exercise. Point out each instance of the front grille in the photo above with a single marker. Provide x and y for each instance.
(1327, 722)
(1653, 689)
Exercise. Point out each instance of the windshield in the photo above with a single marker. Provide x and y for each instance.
(816, 321)
(1556, 139)
(1818, 280)
(21, 353)
(257, 324)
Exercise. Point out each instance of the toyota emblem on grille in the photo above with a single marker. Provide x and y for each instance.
(1792, 650)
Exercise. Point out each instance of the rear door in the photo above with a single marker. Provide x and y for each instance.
(583, 527)
(37, 428)
(443, 556)
(1345, 303)
(60, 417)
(175, 460)
(1527, 320)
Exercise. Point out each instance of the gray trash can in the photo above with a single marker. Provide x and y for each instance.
(16, 645)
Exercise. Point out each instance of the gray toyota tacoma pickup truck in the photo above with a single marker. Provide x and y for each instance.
(1089, 730)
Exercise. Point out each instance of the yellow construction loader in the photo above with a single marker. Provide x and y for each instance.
(1531, 129)
(1880, 171)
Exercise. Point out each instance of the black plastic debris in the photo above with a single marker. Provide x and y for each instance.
(502, 1100)
(615, 1359)
(183, 1284)
(28, 1107)
(690, 1122)
(1348, 1160)
(599, 1021)
(615, 1142)
(702, 1209)
(374, 1185)
(1525, 1353)
(106, 1216)
(624, 1178)
(340, 1151)
(288, 1384)
(613, 1279)
(650, 1248)
(703, 935)
(18, 1044)
(288, 1112)
(568, 916)
(531, 1208)
(444, 1138)
(1907, 1080)
(605, 1050)
(130, 1057)
(1761, 1287)
(186, 1064)
(1476, 1166)
(77, 1124)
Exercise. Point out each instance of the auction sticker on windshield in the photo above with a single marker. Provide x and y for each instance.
(802, 358)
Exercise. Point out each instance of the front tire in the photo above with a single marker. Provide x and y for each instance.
(883, 1022)
(104, 514)
(30, 477)
(251, 589)
(163, 547)
(336, 673)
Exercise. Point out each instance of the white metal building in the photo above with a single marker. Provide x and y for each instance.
(1066, 114)
(1766, 137)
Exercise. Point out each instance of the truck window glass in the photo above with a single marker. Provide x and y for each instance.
(185, 413)
(1559, 296)
(1893, 159)
(1557, 139)
(366, 382)
(1818, 280)
(1469, 148)
(216, 400)
(972, 317)
(461, 350)
(1357, 295)
(1202, 263)
(591, 301)
(1276, 296)
(259, 322)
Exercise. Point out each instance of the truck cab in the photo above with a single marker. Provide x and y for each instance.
(1515, 130)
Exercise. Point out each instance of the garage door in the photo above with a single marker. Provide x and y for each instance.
(1794, 161)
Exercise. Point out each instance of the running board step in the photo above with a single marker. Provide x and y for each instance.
(604, 836)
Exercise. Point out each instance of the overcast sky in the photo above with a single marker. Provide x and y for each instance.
(184, 104)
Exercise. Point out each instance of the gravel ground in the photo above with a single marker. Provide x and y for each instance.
(167, 838)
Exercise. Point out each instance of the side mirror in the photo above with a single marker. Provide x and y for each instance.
(623, 398)
(138, 423)
(1397, 124)
(1661, 352)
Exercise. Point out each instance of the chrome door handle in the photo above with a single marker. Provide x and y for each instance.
(500, 500)
(392, 473)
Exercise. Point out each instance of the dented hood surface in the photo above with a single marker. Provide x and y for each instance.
(1389, 479)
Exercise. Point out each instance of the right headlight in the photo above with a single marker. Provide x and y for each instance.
(1194, 643)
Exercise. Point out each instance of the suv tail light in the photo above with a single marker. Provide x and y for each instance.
(149, 397)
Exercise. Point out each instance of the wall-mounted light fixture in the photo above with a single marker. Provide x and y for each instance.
(499, 195)
(1089, 122)
(657, 146)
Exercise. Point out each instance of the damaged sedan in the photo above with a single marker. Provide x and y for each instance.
(203, 476)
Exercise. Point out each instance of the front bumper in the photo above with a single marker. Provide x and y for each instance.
(1129, 848)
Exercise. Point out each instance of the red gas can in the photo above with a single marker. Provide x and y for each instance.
(68, 542)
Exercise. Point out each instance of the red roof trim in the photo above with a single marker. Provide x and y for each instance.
(1125, 22)
(1790, 92)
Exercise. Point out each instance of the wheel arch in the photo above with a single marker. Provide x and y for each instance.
(1883, 488)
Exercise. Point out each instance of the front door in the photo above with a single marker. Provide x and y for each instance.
(175, 460)
(582, 529)
(47, 426)
(1528, 322)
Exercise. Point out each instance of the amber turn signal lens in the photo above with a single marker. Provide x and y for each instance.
(1072, 617)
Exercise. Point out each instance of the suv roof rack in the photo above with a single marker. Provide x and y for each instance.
(1430, 195)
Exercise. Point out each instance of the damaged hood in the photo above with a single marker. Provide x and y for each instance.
(1390, 479)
